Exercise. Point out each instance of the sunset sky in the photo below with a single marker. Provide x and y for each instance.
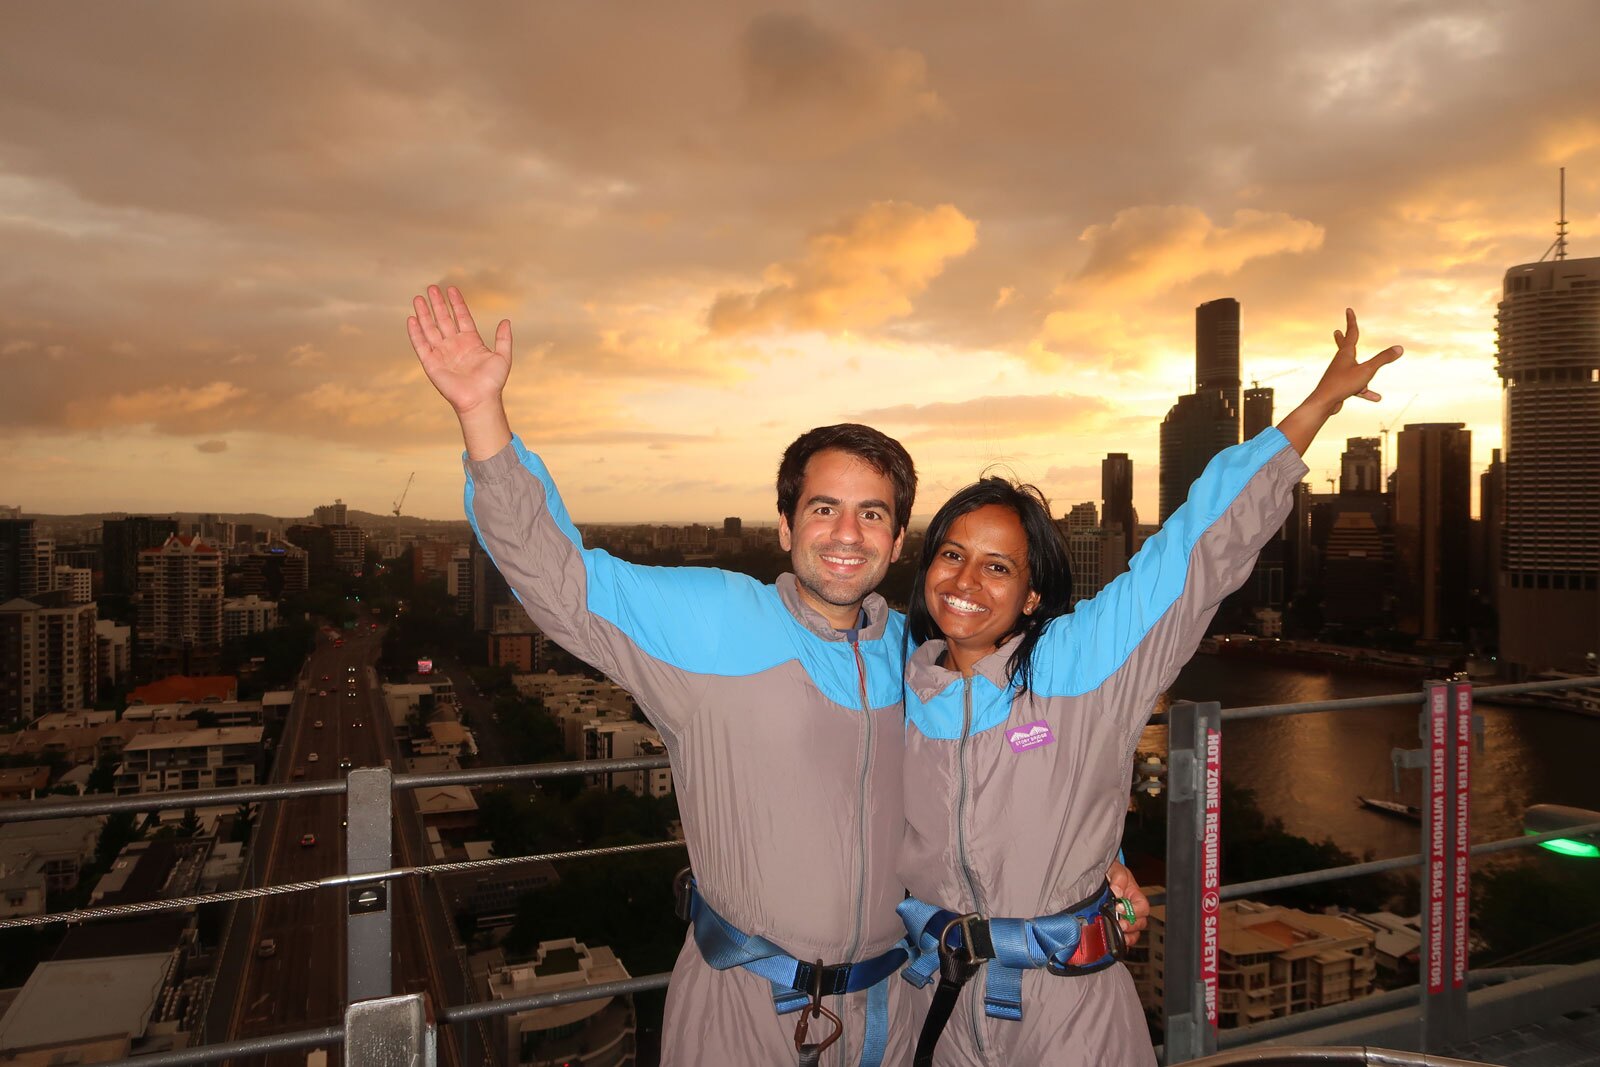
(981, 227)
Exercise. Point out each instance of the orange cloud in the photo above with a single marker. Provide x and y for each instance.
(168, 407)
(1151, 249)
(996, 416)
(859, 274)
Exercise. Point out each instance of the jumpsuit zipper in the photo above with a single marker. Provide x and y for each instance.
(861, 815)
(975, 996)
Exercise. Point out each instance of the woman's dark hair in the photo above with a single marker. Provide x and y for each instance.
(873, 447)
(1049, 573)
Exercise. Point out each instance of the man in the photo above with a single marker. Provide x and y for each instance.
(780, 706)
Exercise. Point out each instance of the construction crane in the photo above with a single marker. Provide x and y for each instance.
(1383, 447)
(403, 493)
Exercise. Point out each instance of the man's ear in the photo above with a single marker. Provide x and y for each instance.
(899, 543)
(785, 538)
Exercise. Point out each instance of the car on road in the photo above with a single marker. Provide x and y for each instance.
(266, 948)
(355, 724)
(351, 694)
(311, 758)
(326, 678)
(299, 772)
(322, 692)
(307, 840)
(344, 764)
(317, 724)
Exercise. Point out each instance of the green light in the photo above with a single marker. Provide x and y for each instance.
(1568, 847)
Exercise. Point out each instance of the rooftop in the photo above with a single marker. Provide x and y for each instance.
(71, 1000)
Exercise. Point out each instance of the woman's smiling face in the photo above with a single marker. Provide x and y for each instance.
(977, 586)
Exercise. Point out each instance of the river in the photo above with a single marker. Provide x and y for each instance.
(1308, 769)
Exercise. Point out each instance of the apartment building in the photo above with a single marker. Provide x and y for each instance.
(191, 759)
(1272, 962)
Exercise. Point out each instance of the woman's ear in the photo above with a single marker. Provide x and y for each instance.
(1031, 603)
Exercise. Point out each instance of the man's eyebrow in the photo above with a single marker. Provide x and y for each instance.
(833, 501)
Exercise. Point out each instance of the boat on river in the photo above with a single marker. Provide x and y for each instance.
(1392, 807)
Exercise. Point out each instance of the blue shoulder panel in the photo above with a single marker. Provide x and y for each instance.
(708, 621)
(941, 717)
(1079, 651)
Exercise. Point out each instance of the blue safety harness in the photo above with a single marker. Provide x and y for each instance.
(1010, 946)
(797, 984)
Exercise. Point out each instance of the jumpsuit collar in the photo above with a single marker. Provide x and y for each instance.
(926, 678)
(874, 614)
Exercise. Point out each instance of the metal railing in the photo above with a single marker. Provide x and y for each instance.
(376, 1017)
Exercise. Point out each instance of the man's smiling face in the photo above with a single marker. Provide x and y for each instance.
(843, 536)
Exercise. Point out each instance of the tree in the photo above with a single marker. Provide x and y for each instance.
(1538, 909)
(115, 835)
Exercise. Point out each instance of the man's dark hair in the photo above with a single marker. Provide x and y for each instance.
(874, 448)
(1049, 572)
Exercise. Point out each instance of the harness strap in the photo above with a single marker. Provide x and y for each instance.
(1080, 939)
(795, 983)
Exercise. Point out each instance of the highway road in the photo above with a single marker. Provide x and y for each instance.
(294, 970)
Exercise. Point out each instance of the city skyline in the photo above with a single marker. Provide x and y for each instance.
(713, 232)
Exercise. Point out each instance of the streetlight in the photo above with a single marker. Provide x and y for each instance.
(1545, 818)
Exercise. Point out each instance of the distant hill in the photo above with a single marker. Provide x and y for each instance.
(68, 527)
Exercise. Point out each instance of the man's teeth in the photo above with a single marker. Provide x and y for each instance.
(966, 607)
(842, 561)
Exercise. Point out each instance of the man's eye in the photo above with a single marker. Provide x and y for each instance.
(823, 509)
(871, 516)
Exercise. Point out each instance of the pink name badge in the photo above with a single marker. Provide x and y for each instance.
(1029, 735)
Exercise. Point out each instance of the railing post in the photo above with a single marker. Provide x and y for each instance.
(396, 1031)
(1453, 999)
(1194, 845)
(1445, 759)
(369, 967)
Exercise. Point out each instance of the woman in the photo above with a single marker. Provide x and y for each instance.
(1022, 720)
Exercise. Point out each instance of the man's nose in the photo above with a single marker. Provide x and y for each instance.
(847, 529)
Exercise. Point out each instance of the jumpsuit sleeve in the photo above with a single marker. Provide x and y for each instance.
(641, 625)
(1141, 629)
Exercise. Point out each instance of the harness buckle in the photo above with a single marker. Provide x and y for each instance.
(957, 965)
(683, 894)
(815, 1010)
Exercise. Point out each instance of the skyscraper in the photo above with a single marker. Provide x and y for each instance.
(180, 607)
(1116, 496)
(121, 542)
(19, 574)
(1548, 328)
(1257, 410)
(1198, 427)
(1206, 421)
(1491, 524)
(1361, 466)
(1432, 526)
(1216, 349)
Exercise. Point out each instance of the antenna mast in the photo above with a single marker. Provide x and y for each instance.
(1561, 223)
(1559, 245)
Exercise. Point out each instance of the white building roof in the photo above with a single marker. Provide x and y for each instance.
(73, 1000)
(221, 735)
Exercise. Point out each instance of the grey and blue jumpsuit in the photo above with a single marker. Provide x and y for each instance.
(785, 738)
(1015, 807)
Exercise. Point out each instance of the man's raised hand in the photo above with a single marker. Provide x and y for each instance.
(467, 372)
